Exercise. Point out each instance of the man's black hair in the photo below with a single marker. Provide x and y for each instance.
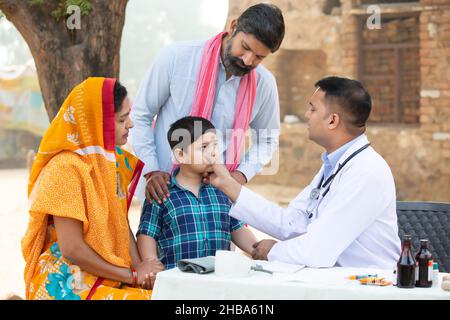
(350, 96)
(265, 22)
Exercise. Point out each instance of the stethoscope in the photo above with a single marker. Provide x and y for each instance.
(315, 193)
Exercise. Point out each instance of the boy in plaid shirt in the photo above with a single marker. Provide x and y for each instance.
(193, 221)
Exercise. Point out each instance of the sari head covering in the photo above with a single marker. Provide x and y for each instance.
(79, 173)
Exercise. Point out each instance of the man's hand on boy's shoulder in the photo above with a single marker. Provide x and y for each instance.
(157, 186)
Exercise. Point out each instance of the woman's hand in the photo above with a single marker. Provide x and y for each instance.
(147, 271)
(71, 242)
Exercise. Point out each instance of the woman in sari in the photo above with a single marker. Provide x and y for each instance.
(78, 244)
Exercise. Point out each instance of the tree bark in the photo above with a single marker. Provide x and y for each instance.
(65, 57)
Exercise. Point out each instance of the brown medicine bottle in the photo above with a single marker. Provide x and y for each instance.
(406, 265)
(424, 266)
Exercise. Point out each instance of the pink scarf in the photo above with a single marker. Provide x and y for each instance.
(206, 91)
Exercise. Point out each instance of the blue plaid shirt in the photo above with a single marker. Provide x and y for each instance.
(187, 227)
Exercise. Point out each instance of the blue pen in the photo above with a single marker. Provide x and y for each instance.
(362, 276)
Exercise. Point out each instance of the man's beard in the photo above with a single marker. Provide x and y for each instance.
(234, 64)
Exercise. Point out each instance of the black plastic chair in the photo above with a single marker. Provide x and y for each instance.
(427, 220)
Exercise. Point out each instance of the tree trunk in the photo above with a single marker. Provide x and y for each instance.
(65, 57)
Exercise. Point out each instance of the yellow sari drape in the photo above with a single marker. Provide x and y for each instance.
(79, 173)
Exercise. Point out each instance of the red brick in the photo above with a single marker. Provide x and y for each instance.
(427, 110)
(428, 44)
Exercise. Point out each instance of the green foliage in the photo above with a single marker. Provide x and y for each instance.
(61, 10)
(34, 2)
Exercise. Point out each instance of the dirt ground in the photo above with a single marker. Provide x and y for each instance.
(14, 219)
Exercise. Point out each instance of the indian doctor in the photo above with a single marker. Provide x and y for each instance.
(347, 215)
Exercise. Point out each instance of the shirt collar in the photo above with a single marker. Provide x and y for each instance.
(334, 157)
(221, 65)
(173, 181)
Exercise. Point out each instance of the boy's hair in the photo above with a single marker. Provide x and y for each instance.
(350, 96)
(185, 131)
(265, 22)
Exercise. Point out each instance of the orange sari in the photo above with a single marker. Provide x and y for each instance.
(80, 174)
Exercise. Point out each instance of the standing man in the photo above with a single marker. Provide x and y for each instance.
(221, 80)
(347, 215)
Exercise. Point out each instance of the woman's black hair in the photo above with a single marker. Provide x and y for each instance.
(120, 92)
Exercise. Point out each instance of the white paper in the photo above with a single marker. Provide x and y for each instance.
(276, 266)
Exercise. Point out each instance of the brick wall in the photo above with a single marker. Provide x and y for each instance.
(392, 73)
(296, 71)
(435, 87)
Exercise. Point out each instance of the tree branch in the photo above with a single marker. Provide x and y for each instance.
(11, 5)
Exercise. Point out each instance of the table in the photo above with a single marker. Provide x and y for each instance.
(308, 283)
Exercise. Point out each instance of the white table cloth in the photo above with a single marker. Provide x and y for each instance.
(308, 283)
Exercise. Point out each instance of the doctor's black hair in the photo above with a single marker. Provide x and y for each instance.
(120, 92)
(350, 95)
(185, 131)
(265, 22)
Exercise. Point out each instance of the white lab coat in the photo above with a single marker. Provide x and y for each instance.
(355, 224)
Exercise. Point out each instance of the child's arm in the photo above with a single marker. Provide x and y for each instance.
(244, 239)
(147, 247)
(149, 231)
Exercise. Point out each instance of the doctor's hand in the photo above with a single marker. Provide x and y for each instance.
(262, 249)
(218, 176)
(224, 181)
(236, 175)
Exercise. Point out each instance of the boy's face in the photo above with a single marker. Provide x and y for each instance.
(201, 154)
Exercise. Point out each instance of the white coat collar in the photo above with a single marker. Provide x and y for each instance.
(359, 143)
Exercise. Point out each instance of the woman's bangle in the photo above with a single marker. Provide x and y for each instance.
(135, 277)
